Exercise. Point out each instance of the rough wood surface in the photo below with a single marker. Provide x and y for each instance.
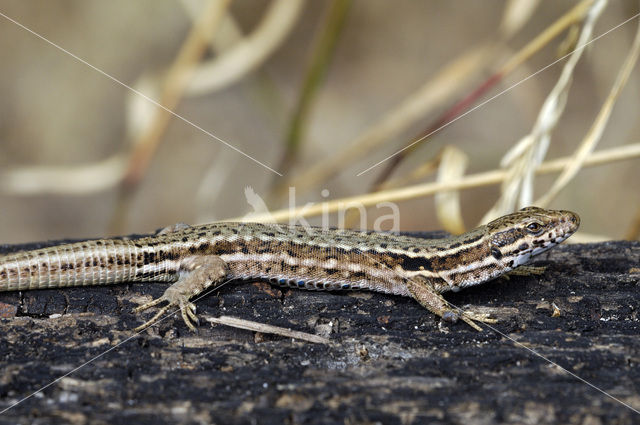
(389, 360)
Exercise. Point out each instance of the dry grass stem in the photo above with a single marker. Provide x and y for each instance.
(597, 128)
(526, 155)
(426, 189)
(320, 58)
(464, 106)
(634, 230)
(446, 83)
(423, 170)
(576, 14)
(77, 180)
(515, 16)
(172, 91)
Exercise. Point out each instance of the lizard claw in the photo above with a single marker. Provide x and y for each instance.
(470, 318)
(174, 299)
(154, 319)
(196, 274)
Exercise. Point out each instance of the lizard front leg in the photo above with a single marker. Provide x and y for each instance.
(196, 274)
(424, 293)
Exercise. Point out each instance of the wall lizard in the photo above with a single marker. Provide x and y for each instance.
(196, 258)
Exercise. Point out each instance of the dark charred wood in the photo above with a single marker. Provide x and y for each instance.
(390, 361)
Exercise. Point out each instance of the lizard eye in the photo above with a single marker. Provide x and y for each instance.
(534, 228)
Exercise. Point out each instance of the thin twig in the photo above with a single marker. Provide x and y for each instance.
(268, 329)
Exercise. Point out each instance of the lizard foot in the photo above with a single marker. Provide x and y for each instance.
(196, 275)
(187, 309)
(468, 317)
(434, 302)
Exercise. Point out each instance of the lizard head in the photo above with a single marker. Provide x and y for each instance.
(517, 237)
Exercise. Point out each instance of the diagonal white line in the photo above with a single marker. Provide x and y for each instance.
(524, 346)
(91, 360)
(531, 350)
(147, 98)
(519, 344)
(498, 95)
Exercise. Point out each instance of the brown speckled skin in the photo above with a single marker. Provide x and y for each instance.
(270, 251)
(308, 258)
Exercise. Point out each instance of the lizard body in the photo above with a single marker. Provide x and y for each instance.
(200, 257)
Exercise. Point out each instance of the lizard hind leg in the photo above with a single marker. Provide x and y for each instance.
(196, 274)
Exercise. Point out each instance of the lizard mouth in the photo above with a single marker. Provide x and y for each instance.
(569, 222)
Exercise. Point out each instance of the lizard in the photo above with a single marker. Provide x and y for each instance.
(201, 257)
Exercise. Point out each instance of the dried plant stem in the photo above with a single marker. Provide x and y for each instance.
(525, 155)
(443, 85)
(545, 37)
(83, 179)
(459, 108)
(173, 89)
(447, 203)
(426, 189)
(320, 59)
(424, 99)
(174, 86)
(247, 52)
(597, 128)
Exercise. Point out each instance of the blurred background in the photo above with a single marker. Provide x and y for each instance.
(317, 91)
